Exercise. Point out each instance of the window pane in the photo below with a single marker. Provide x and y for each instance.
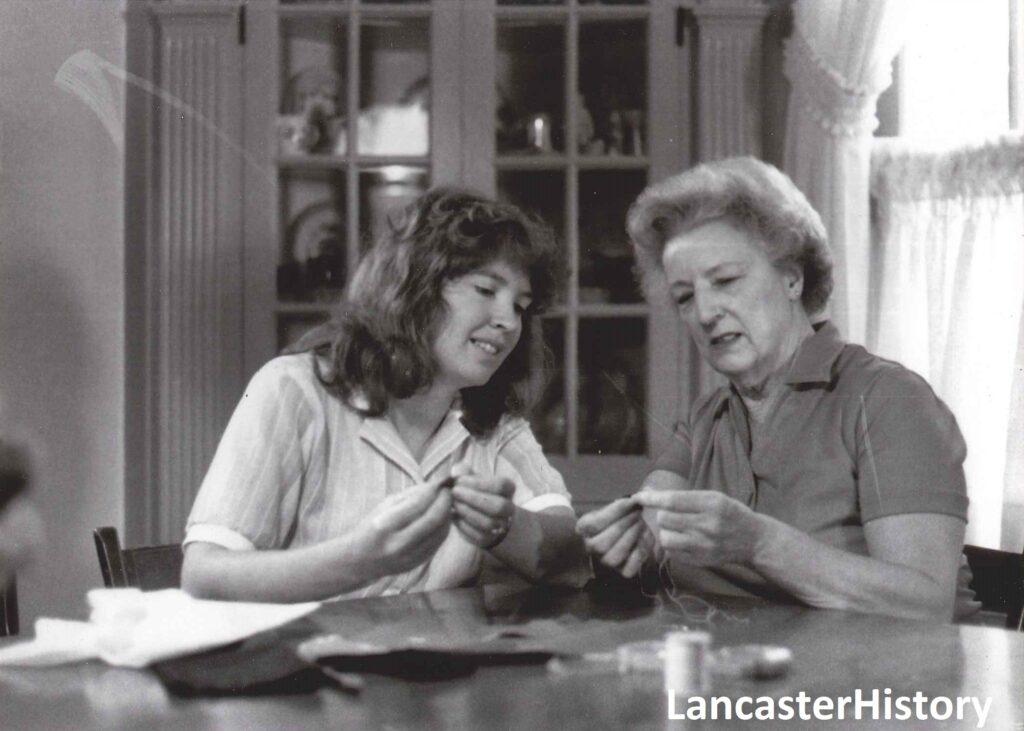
(606, 259)
(613, 385)
(312, 259)
(291, 327)
(384, 193)
(540, 192)
(531, 88)
(547, 359)
(613, 88)
(394, 88)
(311, 107)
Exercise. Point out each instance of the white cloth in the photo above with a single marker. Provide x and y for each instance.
(132, 628)
(296, 467)
(950, 260)
(838, 61)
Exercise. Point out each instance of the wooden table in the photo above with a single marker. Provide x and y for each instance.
(835, 654)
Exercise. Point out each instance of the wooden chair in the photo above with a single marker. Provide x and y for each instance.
(9, 609)
(148, 567)
(998, 582)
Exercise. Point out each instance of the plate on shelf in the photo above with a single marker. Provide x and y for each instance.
(317, 230)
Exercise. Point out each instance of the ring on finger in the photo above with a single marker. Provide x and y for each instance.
(498, 532)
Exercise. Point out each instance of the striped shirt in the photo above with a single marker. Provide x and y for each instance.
(297, 466)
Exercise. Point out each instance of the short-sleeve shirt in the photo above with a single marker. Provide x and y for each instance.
(853, 438)
(296, 466)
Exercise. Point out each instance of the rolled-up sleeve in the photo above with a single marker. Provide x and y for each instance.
(910, 452)
(677, 457)
(521, 459)
(249, 497)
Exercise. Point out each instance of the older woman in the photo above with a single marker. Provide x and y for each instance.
(821, 472)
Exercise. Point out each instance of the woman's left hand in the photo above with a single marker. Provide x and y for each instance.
(482, 507)
(703, 527)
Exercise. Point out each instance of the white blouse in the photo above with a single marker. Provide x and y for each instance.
(296, 466)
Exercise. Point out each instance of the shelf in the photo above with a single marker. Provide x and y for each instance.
(339, 162)
(527, 161)
(612, 12)
(612, 162)
(530, 161)
(304, 308)
(531, 13)
(598, 309)
(344, 9)
(607, 309)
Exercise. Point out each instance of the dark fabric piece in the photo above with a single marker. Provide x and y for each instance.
(265, 664)
(267, 667)
(268, 664)
(427, 665)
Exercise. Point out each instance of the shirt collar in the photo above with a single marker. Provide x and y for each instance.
(816, 356)
(812, 362)
(380, 433)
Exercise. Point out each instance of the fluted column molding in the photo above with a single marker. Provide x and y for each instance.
(729, 38)
(185, 325)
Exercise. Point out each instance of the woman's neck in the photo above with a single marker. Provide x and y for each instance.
(761, 388)
(418, 417)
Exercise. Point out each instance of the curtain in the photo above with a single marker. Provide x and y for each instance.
(948, 293)
(838, 61)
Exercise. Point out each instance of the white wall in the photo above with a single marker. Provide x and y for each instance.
(61, 288)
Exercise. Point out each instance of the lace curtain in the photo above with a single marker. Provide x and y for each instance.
(947, 298)
(838, 61)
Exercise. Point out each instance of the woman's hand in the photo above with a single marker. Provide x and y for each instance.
(703, 527)
(406, 529)
(482, 507)
(400, 534)
(617, 535)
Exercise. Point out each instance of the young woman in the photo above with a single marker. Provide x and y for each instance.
(388, 453)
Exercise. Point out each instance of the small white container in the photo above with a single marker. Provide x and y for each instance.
(687, 662)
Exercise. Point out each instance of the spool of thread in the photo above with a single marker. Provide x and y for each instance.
(687, 662)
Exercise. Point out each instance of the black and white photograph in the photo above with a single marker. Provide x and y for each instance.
(520, 364)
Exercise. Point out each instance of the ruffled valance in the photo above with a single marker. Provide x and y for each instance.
(841, 108)
(901, 171)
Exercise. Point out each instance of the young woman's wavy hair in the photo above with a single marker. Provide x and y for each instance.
(379, 344)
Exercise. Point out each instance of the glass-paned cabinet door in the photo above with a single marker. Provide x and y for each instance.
(573, 144)
(353, 142)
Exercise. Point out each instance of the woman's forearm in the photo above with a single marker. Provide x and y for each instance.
(295, 575)
(543, 546)
(827, 577)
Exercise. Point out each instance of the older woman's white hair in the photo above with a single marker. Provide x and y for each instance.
(749, 193)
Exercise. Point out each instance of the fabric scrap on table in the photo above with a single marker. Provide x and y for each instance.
(133, 628)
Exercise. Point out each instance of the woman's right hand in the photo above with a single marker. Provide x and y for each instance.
(618, 536)
(406, 529)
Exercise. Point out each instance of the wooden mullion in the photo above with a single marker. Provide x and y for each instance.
(261, 220)
(479, 97)
(668, 125)
(446, 93)
(352, 68)
(572, 379)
